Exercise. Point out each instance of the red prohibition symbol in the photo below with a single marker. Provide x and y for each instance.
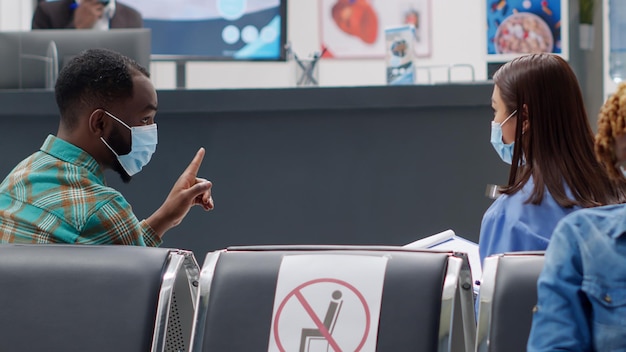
(297, 293)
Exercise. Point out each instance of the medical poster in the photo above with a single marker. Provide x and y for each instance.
(399, 55)
(517, 27)
(356, 28)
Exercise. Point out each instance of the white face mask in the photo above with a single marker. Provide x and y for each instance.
(505, 151)
(144, 141)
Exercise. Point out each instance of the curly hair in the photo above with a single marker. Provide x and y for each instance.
(611, 124)
(94, 79)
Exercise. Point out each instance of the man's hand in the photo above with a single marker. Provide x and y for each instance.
(189, 190)
(87, 13)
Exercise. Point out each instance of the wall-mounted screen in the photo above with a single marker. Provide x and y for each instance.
(216, 29)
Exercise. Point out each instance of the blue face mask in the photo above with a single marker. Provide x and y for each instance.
(505, 151)
(143, 144)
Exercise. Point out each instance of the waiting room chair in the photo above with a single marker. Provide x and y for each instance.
(508, 295)
(96, 298)
(419, 311)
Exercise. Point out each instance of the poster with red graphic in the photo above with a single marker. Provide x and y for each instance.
(356, 28)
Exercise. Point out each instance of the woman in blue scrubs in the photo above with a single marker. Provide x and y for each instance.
(540, 127)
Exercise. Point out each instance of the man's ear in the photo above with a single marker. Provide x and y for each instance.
(97, 122)
(525, 120)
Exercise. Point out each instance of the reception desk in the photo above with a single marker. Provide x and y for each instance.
(353, 165)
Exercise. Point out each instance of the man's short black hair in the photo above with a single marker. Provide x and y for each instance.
(94, 79)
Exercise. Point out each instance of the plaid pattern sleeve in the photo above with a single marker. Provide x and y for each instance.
(58, 195)
(115, 223)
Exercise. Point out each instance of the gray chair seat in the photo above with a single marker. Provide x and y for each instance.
(95, 298)
(508, 295)
(238, 288)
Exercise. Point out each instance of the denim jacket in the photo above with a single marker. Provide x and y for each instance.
(582, 288)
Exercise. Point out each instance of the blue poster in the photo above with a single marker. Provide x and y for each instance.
(524, 26)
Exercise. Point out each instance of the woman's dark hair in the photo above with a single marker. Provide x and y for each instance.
(558, 146)
(94, 79)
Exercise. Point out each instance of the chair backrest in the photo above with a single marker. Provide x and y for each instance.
(238, 289)
(96, 298)
(508, 295)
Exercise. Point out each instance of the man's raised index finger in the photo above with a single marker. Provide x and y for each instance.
(194, 166)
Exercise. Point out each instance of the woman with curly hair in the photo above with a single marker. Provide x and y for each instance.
(581, 290)
(611, 137)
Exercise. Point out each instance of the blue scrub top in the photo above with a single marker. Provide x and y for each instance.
(511, 224)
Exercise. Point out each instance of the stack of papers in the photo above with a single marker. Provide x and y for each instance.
(449, 241)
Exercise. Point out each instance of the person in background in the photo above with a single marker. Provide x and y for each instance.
(610, 144)
(85, 14)
(582, 287)
(540, 127)
(59, 194)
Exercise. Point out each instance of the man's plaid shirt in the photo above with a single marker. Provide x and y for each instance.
(58, 195)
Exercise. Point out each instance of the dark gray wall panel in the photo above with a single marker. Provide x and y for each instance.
(383, 165)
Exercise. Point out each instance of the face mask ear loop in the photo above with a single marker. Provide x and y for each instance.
(507, 119)
(118, 120)
(123, 124)
(108, 146)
